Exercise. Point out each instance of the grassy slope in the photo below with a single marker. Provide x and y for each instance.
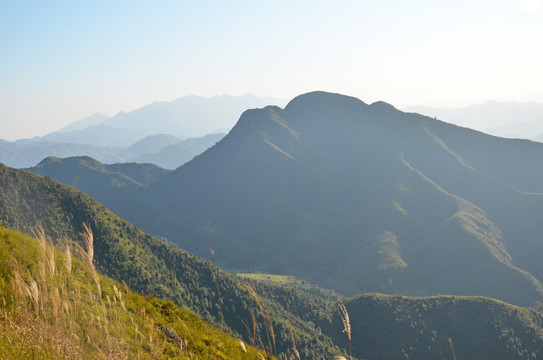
(52, 308)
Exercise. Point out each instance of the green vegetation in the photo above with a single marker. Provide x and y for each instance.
(53, 305)
(274, 279)
(291, 281)
(420, 328)
(151, 267)
(285, 320)
(355, 198)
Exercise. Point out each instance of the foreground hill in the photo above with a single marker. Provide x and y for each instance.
(150, 266)
(54, 306)
(382, 327)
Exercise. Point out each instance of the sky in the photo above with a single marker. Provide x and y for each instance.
(61, 61)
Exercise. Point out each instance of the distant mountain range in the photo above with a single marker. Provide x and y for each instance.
(354, 197)
(163, 150)
(139, 135)
(505, 119)
(190, 116)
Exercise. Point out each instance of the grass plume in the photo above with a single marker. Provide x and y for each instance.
(346, 323)
(87, 254)
(62, 319)
(267, 320)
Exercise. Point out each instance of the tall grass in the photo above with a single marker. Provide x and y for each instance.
(55, 306)
(268, 325)
(346, 323)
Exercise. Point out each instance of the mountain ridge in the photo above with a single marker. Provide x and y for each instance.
(359, 198)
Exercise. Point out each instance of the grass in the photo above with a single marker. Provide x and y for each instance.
(270, 278)
(55, 306)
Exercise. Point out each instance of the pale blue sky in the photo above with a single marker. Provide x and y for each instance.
(64, 60)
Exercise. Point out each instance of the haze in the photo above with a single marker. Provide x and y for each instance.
(63, 61)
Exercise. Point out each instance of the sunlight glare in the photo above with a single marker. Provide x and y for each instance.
(530, 5)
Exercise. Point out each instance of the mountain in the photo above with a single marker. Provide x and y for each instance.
(153, 149)
(381, 326)
(175, 155)
(26, 154)
(94, 119)
(149, 144)
(187, 117)
(432, 328)
(532, 130)
(358, 198)
(361, 198)
(98, 135)
(150, 266)
(190, 116)
(107, 183)
(69, 311)
(505, 119)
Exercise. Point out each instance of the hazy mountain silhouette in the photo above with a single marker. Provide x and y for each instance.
(174, 155)
(359, 198)
(187, 117)
(190, 116)
(94, 119)
(25, 154)
(149, 144)
(98, 135)
(505, 119)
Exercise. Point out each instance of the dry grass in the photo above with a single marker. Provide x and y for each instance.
(268, 325)
(346, 323)
(49, 309)
(87, 254)
(452, 349)
(296, 353)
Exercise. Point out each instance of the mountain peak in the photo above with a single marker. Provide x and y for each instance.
(383, 106)
(324, 100)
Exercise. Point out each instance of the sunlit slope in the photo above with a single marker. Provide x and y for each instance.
(54, 306)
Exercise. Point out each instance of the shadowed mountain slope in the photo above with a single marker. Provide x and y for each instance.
(383, 327)
(358, 198)
(150, 266)
(361, 197)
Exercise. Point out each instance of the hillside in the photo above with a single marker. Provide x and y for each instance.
(149, 144)
(361, 198)
(478, 327)
(357, 198)
(54, 306)
(26, 154)
(189, 116)
(174, 155)
(382, 327)
(163, 150)
(150, 266)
